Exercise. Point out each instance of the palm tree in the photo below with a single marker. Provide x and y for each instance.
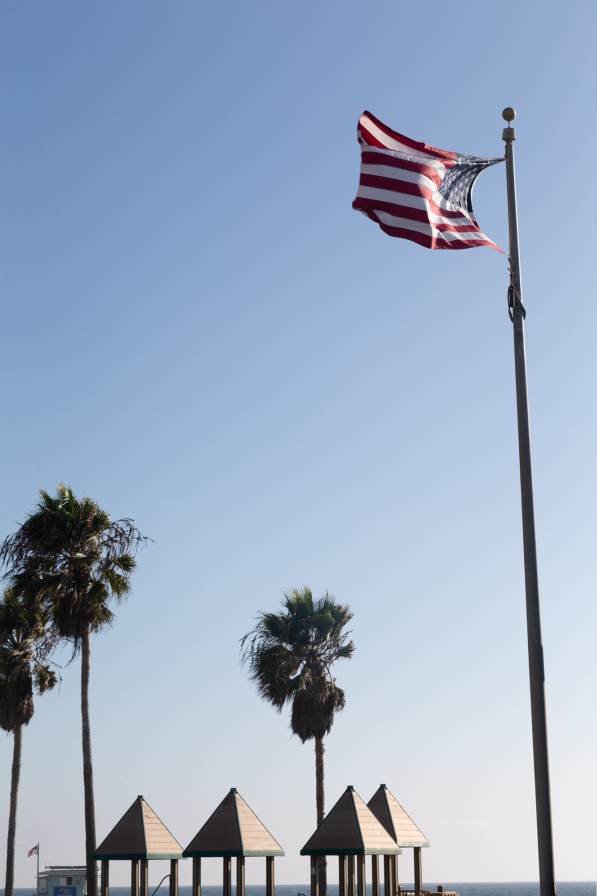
(71, 556)
(290, 657)
(24, 648)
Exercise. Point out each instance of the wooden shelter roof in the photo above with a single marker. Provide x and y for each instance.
(350, 828)
(140, 834)
(395, 819)
(233, 830)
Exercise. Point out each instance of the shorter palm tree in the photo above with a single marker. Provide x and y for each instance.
(25, 645)
(290, 657)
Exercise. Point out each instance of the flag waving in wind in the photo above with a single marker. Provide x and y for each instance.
(416, 191)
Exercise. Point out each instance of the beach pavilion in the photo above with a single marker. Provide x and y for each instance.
(139, 837)
(401, 827)
(350, 829)
(233, 831)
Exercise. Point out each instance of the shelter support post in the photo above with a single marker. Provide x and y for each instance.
(351, 876)
(135, 877)
(418, 869)
(227, 875)
(105, 877)
(270, 880)
(314, 877)
(196, 876)
(144, 873)
(395, 874)
(342, 874)
(361, 875)
(173, 877)
(375, 875)
(387, 876)
(240, 876)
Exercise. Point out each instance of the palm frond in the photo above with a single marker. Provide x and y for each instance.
(25, 644)
(290, 655)
(71, 556)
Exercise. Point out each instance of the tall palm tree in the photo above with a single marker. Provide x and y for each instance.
(70, 555)
(24, 648)
(290, 656)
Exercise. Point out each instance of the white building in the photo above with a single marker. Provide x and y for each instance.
(62, 880)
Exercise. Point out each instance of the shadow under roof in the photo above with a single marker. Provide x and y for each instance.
(140, 834)
(395, 819)
(233, 830)
(350, 828)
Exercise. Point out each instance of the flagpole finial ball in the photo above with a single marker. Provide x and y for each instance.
(509, 114)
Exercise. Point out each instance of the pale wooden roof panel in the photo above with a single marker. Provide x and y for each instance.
(375, 837)
(158, 837)
(254, 835)
(395, 819)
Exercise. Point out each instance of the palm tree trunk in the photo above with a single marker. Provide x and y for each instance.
(12, 815)
(320, 800)
(88, 767)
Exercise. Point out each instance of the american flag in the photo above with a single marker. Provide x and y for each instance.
(34, 851)
(416, 191)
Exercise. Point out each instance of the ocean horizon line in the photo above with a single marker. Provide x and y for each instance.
(464, 887)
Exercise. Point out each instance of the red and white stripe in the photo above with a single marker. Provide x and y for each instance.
(399, 190)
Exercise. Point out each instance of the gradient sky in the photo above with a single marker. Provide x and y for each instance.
(200, 333)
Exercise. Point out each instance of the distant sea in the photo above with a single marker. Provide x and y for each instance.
(565, 888)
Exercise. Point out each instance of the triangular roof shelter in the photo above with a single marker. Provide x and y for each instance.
(396, 819)
(350, 829)
(140, 834)
(233, 830)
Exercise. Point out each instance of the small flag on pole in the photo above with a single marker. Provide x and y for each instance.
(34, 851)
(416, 191)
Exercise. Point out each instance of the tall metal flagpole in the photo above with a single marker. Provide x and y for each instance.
(535, 647)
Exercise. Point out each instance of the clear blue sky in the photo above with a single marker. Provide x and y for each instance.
(199, 332)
